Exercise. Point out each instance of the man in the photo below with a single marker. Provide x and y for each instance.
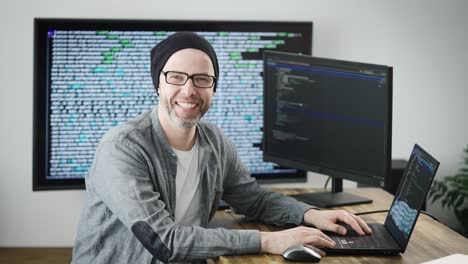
(157, 180)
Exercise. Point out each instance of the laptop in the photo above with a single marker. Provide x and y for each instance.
(393, 236)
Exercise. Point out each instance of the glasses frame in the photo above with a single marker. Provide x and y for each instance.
(189, 77)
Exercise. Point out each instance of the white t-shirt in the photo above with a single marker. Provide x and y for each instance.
(188, 196)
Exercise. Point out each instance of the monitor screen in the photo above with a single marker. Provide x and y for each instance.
(328, 116)
(90, 75)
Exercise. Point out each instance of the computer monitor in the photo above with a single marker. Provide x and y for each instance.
(328, 116)
(90, 75)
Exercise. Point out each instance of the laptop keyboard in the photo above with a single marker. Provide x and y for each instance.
(379, 239)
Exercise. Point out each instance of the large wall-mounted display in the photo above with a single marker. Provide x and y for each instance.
(90, 75)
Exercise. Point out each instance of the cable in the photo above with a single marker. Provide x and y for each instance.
(371, 212)
(326, 182)
(385, 211)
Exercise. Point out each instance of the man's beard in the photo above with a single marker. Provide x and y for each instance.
(184, 122)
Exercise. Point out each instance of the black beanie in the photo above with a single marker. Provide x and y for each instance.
(175, 42)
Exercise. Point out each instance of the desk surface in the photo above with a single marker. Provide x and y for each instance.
(430, 239)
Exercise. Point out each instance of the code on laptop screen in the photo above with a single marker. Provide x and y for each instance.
(411, 194)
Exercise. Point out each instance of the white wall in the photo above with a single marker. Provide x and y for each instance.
(425, 41)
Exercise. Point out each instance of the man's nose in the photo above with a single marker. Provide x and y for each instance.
(188, 88)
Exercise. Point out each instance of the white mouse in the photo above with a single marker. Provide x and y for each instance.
(301, 253)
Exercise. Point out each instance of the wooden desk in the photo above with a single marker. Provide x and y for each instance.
(35, 255)
(430, 239)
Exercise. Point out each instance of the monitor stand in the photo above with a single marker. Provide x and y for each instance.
(331, 199)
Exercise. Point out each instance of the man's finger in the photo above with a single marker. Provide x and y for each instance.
(340, 229)
(363, 224)
(322, 235)
(351, 221)
(318, 232)
(335, 228)
(318, 241)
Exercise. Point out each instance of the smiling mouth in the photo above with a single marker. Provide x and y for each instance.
(187, 106)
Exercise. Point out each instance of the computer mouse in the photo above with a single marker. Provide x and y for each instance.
(301, 253)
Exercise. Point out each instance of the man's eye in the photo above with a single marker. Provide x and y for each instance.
(203, 79)
(177, 77)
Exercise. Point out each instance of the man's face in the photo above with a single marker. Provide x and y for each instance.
(186, 104)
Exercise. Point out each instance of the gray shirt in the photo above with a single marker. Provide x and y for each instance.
(129, 212)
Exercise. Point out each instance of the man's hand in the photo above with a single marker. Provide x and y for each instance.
(327, 220)
(278, 242)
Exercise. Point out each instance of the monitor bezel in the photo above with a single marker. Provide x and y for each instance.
(40, 73)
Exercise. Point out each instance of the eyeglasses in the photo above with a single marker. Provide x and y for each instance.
(181, 78)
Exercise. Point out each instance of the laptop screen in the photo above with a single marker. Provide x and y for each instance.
(411, 195)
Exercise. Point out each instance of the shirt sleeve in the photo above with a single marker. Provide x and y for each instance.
(246, 197)
(120, 176)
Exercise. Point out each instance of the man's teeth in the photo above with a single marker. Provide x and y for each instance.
(187, 105)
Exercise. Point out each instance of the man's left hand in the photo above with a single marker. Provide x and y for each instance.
(327, 221)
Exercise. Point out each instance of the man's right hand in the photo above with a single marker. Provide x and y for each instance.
(278, 242)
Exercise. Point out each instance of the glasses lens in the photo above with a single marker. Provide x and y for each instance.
(203, 81)
(176, 78)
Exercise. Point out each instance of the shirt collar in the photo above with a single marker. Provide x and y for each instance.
(161, 137)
